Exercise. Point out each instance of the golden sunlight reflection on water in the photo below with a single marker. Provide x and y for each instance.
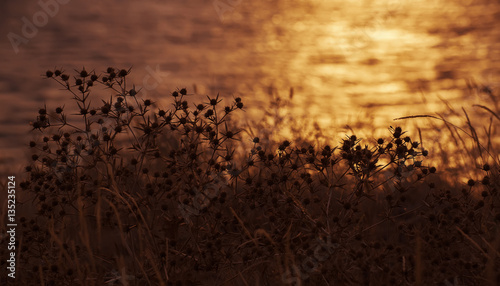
(360, 63)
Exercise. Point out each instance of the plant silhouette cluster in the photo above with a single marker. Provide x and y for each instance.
(124, 192)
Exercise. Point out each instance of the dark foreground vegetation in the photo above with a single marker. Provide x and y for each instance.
(121, 192)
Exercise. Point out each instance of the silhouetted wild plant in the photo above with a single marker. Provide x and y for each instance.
(125, 192)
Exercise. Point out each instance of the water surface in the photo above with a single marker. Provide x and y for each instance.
(346, 60)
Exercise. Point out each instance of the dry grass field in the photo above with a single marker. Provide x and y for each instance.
(121, 192)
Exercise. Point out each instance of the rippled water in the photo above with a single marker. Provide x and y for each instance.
(368, 60)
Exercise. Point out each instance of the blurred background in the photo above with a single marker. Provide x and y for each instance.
(361, 63)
